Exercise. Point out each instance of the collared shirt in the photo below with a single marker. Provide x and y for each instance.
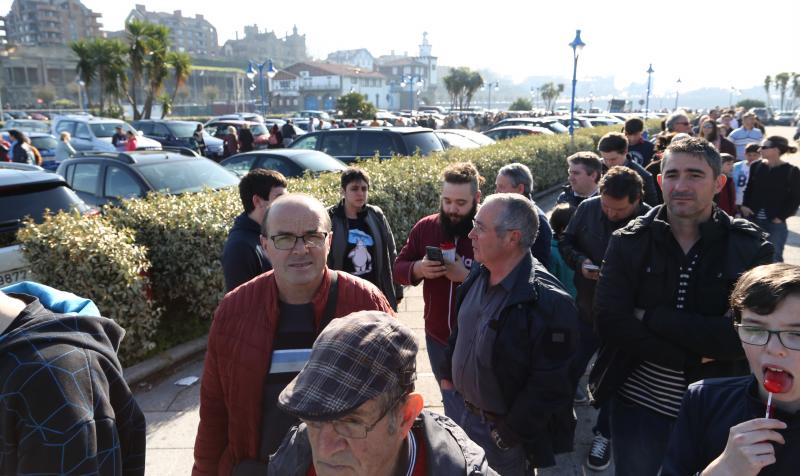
(473, 375)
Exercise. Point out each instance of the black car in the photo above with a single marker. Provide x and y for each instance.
(347, 144)
(289, 162)
(105, 177)
(169, 133)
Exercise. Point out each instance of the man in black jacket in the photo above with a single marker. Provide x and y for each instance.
(583, 247)
(583, 173)
(242, 257)
(613, 148)
(661, 304)
(64, 405)
(511, 353)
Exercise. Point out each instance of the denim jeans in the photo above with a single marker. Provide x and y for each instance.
(452, 402)
(778, 234)
(510, 462)
(640, 438)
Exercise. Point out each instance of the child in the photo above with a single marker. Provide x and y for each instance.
(726, 198)
(559, 220)
(741, 170)
(721, 428)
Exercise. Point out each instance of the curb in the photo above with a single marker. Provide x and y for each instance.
(169, 357)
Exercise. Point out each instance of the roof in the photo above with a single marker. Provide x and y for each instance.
(402, 62)
(284, 75)
(10, 177)
(317, 68)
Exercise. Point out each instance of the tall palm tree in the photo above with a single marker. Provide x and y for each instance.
(136, 36)
(474, 81)
(782, 82)
(86, 67)
(155, 65)
(767, 84)
(181, 63)
(115, 70)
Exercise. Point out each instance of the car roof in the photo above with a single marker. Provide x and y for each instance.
(11, 177)
(399, 130)
(238, 122)
(165, 121)
(87, 118)
(139, 157)
(290, 153)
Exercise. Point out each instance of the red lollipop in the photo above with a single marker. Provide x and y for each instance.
(776, 382)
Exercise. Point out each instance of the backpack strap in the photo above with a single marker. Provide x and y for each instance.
(330, 306)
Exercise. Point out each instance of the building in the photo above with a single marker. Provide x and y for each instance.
(27, 70)
(360, 58)
(409, 77)
(319, 84)
(262, 45)
(191, 35)
(50, 22)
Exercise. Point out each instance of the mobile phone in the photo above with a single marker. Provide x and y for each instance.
(591, 267)
(434, 253)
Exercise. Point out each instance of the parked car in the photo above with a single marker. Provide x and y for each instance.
(27, 125)
(783, 118)
(18, 114)
(508, 132)
(349, 143)
(28, 193)
(580, 122)
(178, 134)
(763, 114)
(91, 133)
(219, 128)
(100, 178)
(451, 140)
(551, 123)
(289, 162)
(474, 136)
(239, 116)
(45, 144)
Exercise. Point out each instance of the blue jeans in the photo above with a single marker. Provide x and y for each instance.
(640, 438)
(452, 402)
(510, 462)
(778, 234)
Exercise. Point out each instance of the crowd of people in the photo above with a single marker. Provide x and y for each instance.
(659, 272)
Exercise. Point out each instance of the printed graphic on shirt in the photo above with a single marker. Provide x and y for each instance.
(360, 256)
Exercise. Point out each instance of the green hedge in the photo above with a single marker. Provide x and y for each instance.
(174, 243)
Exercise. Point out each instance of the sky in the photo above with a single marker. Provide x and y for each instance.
(704, 43)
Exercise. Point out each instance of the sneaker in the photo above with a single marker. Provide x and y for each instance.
(600, 454)
(581, 398)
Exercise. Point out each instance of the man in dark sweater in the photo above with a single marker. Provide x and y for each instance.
(243, 258)
(613, 148)
(641, 150)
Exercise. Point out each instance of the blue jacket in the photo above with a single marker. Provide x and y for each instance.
(560, 270)
(242, 257)
(710, 408)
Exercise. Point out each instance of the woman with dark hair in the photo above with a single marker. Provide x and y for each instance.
(275, 139)
(710, 132)
(773, 192)
(20, 150)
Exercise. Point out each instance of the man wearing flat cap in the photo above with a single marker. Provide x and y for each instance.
(359, 411)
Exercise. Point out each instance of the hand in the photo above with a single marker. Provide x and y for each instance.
(594, 275)
(428, 269)
(446, 385)
(638, 313)
(706, 360)
(777, 221)
(456, 271)
(746, 212)
(749, 448)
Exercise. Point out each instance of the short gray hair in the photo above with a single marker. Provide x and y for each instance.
(673, 118)
(300, 198)
(519, 213)
(519, 174)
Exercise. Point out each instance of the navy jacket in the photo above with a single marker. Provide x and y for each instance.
(243, 258)
(536, 339)
(710, 408)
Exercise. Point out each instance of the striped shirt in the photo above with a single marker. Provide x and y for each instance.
(654, 386)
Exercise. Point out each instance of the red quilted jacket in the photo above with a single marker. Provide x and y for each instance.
(238, 359)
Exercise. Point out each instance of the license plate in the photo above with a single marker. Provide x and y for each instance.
(14, 276)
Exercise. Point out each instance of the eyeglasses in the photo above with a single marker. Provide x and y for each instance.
(759, 336)
(314, 239)
(352, 429)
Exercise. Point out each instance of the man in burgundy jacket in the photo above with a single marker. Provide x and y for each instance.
(262, 335)
(459, 203)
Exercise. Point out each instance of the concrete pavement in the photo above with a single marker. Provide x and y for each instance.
(172, 411)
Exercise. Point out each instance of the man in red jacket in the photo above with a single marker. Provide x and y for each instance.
(447, 229)
(262, 335)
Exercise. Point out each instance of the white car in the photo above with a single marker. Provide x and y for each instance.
(91, 133)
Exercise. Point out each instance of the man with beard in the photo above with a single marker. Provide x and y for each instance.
(446, 230)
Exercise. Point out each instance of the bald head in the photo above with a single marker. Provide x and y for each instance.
(296, 205)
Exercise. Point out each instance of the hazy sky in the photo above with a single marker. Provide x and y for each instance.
(705, 43)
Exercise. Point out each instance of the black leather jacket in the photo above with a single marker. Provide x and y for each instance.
(537, 333)
(641, 270)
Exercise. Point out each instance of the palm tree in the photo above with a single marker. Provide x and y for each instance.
(86, 65)
(136, 35)
(182, 64)
(108, 57)
(155, 65)
(550, 93)
(474, 81)
(767, 84)
(782, 82)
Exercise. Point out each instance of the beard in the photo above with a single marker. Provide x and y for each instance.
(457, 226)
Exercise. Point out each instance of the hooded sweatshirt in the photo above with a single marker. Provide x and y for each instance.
(64, 405)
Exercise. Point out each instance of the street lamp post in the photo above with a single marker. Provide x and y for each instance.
(496, 87)
(411, 81)
(647, 98)
(80, 84)
(677, 92)
(251, 74)
(576, 45)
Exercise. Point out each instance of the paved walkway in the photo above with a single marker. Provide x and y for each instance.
(172, 411)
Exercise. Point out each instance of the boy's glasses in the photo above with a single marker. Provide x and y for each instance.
(754, 335)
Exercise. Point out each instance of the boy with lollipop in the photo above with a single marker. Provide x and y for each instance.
(748, 425)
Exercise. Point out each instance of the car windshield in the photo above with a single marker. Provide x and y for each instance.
(187, 176)
(556, 126)
(108, 129)
(318, 162)
(425, 142)
(44, 142)
(258, 129)
(182, 129)
(28, 126)
(457, 141)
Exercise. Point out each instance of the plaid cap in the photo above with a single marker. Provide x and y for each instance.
(354, 359)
